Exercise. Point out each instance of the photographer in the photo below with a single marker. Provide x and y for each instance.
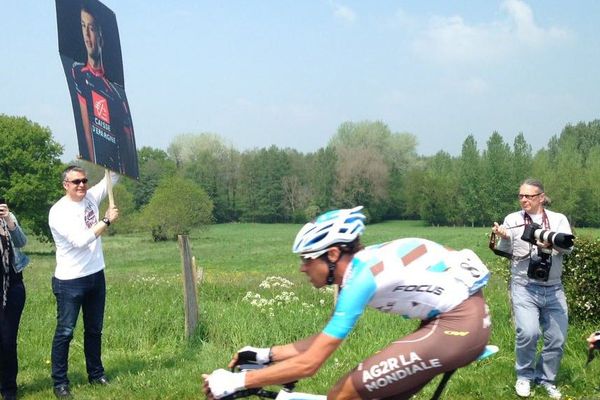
(535, 239)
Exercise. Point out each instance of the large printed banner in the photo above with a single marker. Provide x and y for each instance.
(90, 50)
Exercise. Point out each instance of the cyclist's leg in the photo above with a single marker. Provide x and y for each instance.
(343, 390)
(451, 341)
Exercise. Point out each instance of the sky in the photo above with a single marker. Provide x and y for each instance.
(288, 72)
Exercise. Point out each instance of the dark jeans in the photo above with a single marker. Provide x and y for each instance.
(9, 327)
(88, 294)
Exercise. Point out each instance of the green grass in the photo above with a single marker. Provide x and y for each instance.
(147, 357)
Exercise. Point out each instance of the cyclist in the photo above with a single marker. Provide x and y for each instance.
(413, 277)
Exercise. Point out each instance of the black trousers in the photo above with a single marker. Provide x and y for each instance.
(10, 318)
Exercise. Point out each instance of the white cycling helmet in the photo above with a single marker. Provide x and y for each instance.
(337, 226)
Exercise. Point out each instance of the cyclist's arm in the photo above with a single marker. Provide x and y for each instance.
(283, 352)
(302, 365)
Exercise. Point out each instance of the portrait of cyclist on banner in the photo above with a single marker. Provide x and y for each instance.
(412, 277)
(103, 118)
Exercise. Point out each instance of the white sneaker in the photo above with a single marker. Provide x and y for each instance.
(552, 390)
(523, 387)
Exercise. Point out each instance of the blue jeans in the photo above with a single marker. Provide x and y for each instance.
(535, 307)
(88, 294)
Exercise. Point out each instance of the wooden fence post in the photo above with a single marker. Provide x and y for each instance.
(189, 286)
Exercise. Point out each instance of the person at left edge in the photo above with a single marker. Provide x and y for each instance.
(12, 298)
(78, 282)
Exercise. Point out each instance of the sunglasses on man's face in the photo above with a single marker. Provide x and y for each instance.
(528, 196)
(78, 182)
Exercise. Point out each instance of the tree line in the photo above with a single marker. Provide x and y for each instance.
(200, 178)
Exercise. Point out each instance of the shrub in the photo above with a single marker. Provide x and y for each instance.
(581, 277)
(176, 206)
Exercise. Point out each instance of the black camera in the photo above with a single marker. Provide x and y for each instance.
(539, 265)
(534, 233)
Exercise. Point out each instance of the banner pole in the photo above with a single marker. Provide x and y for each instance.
(111, 199)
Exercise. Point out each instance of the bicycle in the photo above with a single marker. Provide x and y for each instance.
(287, 390)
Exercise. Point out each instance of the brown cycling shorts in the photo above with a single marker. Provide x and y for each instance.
(452, 340)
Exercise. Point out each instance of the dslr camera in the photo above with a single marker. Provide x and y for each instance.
(540, 263)
(534, 233)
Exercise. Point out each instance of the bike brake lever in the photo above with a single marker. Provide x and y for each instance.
(249, 366)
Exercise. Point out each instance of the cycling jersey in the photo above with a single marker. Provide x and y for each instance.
(109, 119)
(416, 278)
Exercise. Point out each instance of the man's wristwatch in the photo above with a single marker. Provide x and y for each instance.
(106, 221)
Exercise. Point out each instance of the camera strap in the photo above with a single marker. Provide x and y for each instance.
(545, 222)
(492, 245)
(494, 241)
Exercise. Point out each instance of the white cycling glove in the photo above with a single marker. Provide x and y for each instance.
(223, 383)
(259, 355)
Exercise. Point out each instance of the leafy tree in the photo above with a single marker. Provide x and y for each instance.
(402, 155)
(155, 165)
(369, 158)
(564, 192)
(469, 183)
(415, 179)
(210, 161)
(584, 136)
(262, 196)
(589, 194)
(177, 206)
(29, 171)
(438, 205)
(322, 177)
(522, 161)
(362, 178)
(298, 195)
(498, 188)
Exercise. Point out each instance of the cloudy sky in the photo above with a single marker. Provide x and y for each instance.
(289, 72)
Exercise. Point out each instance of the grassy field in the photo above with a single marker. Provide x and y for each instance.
(147, 357)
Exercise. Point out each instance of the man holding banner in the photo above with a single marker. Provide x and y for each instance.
(78, 282)
(90, 51)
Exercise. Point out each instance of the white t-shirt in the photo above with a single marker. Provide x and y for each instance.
(78, 250)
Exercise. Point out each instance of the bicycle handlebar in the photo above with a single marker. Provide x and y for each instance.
(260, 392)
(247, 363)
